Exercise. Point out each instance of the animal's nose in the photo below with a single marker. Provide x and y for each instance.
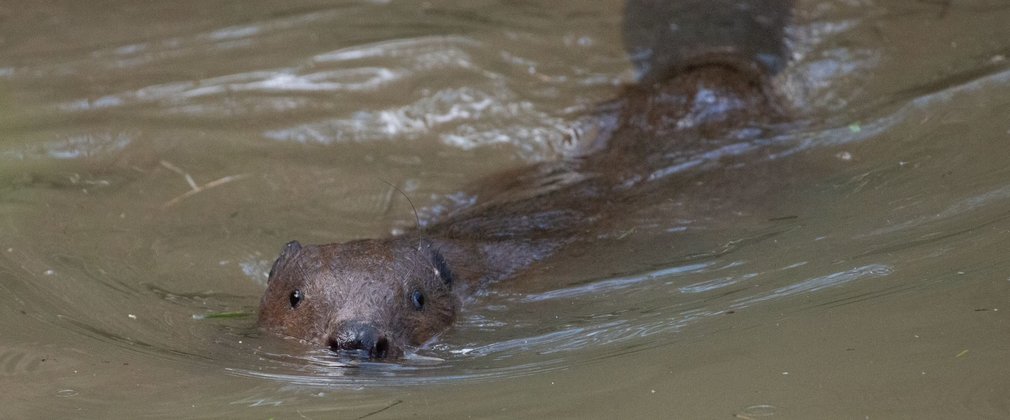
(356, 336)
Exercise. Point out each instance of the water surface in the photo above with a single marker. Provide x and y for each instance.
(155, 157)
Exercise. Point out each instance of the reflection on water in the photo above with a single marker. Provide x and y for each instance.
(76, 147)
(818, 283)
(608, 285)
(892, 240)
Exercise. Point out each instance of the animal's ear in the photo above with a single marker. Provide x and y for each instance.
(290, 249)
(442, 267)
(438, 262)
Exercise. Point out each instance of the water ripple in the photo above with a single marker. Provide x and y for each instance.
(609, 285)
(818, 283)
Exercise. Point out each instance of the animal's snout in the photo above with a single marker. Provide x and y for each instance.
(360, 337)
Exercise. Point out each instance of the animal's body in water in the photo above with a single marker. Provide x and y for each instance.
(380, 297)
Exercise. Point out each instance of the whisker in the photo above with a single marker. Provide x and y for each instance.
(417, 219)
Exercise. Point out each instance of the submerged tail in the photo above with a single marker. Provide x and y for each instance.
(703, 65)
(663, 36)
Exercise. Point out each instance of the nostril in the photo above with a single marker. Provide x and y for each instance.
(362, 339)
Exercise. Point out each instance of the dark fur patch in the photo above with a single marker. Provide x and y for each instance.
(443, 267)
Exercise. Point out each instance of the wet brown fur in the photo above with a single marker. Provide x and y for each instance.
(360, 295)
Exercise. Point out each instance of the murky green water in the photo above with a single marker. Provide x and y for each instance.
(154, 158)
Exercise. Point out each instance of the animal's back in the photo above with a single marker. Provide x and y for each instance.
(706, 80)
(699, 93)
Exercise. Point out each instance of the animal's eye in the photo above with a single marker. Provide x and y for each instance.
(418, 299)
(296, 298)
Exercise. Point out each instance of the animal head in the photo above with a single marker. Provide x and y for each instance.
(371, 298)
